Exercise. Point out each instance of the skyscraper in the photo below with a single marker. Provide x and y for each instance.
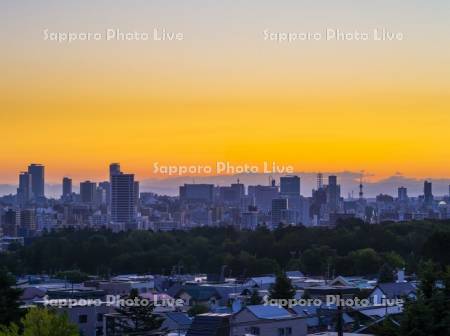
(333, 194)
(279, 206)
(24, 191)
(290, 185)
(106, 186)
(67, 187)
(114, 169)
(87, 191)
(136, 194)
(262, 196)
(290, 189)
(402, 194)
(428, 192)
(27, 222)
(37, 173)
(197, 193)
(123, 209)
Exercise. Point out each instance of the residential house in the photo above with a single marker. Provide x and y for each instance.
(262, 282)
(176, 322)
(392, 291)
(210, 325)
(198, 295)
(267, 320)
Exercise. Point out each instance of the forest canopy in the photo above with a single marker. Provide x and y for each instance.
(351, 248)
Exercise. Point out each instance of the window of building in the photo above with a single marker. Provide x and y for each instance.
(82, 318)
(99, 317)
(281, 332)
(254, 330)
(288, 331)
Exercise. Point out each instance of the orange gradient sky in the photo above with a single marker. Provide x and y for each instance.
(224, 93)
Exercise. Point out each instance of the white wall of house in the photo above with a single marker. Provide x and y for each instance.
(377, 296)
(89, 319)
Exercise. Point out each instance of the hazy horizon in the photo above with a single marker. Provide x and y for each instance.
(349, 182)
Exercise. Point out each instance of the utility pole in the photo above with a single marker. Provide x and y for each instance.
(339, 324)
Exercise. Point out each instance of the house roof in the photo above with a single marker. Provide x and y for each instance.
(263, 280)
(179, 318)
(305, 310)
(210, 325)
(200, 293)
(359, 282)
(311, 312)
(269, 312)
(396, 289)
(174, 289)
(294, 274)
(30, 293)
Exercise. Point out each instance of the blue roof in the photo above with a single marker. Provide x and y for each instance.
(264, 280)
(179, 318)
(269, 312)
(397, 289)
(294, 274)
(305, 310)
(312, 311)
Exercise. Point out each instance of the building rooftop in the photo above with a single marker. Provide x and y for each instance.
(396, 289)
(269, 312)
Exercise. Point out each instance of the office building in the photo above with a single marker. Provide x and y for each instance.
(27, 222)
(37, 172)
(197, 193)
(10, 220)
(24, 192)
(278, 211)
(290, 186)
(114, 169)
(262, 196)
(67, 187)
(333, 194)
(88, 192)
(136, 193)
(402, 194)
(428, 193)
(100, 196)
(290, 189)
(249, 220)
(231, 195)
(123, 208)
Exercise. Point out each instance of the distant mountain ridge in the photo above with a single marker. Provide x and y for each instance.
(349, 182)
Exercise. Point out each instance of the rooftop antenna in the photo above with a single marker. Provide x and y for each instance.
(361, 193)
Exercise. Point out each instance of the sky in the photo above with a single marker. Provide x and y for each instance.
(224, 92)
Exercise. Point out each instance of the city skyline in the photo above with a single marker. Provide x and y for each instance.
(352, 181)
(122, 202)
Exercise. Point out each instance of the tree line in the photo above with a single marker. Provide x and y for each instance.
(351, 248)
